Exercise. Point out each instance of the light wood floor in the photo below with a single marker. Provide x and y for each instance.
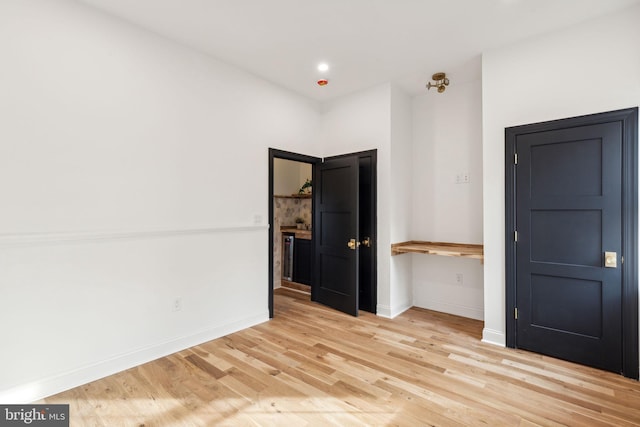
(314, 366)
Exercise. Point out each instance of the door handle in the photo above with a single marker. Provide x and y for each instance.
(353, 244)
(611, 260)
(366, 242)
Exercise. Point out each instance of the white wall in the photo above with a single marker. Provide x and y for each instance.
(129, 177)
(447, 134)
(590, 68)
(401, 285)
(358, 122)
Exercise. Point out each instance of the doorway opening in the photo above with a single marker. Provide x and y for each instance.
(335, 252)
(288, 172)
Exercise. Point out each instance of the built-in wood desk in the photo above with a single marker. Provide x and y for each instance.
(439, 248)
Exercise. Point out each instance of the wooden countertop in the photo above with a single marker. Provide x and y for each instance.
(293, 196)
(439, 248)
(299, 234)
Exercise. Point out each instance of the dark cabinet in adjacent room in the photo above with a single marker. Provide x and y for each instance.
(302, 261)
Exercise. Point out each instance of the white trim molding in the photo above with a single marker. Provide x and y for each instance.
(455, 309)
(36, 390)
(383, 311)
(20, 239)
(493, 337)
(391, 312)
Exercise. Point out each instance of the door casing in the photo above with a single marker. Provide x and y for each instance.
(286, 155)
(629, 119)
(368, 298)
(371, 202)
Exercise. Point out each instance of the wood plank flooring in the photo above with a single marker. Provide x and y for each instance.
(313, 366)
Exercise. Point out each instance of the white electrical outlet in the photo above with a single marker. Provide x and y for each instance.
(177, 304)
(465, 178)
(459, 278)
(257, 219)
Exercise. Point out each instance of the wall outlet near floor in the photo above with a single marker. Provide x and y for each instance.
(459, 278)
(177, 304)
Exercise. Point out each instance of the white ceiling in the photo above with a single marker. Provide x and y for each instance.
(366, 42)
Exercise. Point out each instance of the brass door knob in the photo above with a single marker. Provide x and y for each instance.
(353, 244)
(366, 242)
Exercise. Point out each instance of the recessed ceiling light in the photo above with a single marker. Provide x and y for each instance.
(323, 66)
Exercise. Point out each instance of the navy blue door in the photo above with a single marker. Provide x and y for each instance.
(568, 216)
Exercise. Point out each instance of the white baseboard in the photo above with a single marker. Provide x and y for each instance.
(383, 311)
(491, 336)
(36, 390)
(399, 309)
(456, 309)
(391, 312)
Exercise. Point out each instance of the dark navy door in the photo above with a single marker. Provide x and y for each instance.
(569, 243)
